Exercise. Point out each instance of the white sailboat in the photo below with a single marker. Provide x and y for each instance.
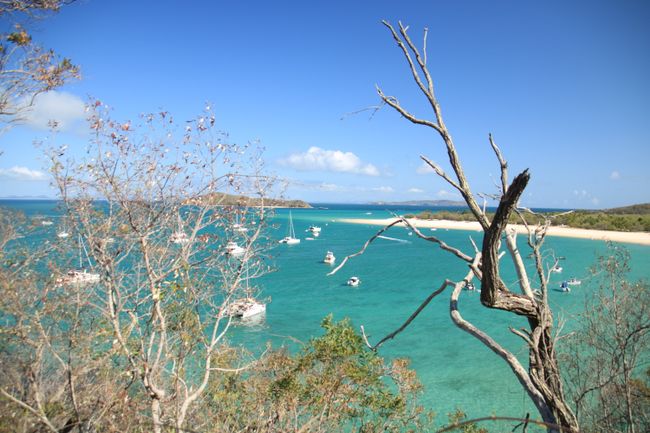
(290, 239)
(238, 227)
(79, 276)
(233, 249)
(247, 306)
(179, 237)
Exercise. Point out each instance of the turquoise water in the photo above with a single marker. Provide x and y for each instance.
(396, 277)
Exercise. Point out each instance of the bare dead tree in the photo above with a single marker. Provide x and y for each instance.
(541, 380)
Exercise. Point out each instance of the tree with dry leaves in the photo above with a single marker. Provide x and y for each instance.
(27, 69)
(141, 289)
(541, 378)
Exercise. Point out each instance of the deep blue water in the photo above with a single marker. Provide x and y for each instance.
(396, 277)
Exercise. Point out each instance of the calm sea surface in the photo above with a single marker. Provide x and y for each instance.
(455, 369)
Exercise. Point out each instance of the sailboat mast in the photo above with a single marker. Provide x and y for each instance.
(81, 265)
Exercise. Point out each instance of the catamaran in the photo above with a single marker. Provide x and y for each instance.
(290, 239)
(79, 276)
(247, 306)
(233, 249)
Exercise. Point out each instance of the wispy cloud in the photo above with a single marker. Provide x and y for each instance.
(22, 173)
(317, 159)
(615, 175)
(424, 168)
(62, 108)
(443, 193)
(383, 189)
(415, 190)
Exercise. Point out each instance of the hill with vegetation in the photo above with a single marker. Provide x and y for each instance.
(223, 199)
(636, 209)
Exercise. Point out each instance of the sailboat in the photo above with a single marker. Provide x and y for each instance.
(238, 227)
(79, 276)
(247, 306)
(291, 238)
(179, 237)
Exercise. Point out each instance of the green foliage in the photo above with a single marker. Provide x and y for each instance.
(605, 357)
(333, 384)
(595, 220)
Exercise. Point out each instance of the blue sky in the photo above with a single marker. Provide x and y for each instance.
(562, 86)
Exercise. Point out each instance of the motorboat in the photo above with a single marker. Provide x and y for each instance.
(573, 281)
(556, 269)
(245, 307)
(290, 239)
(314, 229)
(564, 286)
(234, 250)
(62, 235)
(46, 223)
(329, 258)
(470, 286)
(353, 281)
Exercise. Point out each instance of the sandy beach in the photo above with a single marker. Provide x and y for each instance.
(640, 238)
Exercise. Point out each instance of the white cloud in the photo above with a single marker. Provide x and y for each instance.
(443, 193)
(424, 168)
(21, 173)
(595, 201)
(63, 108)
(329, 160)
(329, 187)
(615, 175)
(383, 189)
(415, 190)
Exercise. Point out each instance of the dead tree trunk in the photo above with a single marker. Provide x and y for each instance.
(542, 380)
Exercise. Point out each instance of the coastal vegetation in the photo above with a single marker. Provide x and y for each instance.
(629, 219)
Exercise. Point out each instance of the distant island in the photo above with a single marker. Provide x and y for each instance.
(432, 203)
(223, 199)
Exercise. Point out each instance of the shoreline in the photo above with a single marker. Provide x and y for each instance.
(639, 238)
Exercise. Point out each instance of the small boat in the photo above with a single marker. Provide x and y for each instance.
(470, 286)
(46, 223)
(245, 307)
(179, 237)
(565, 286)
(353, 281)
(290, 239)
(233, 249)
(79, 276)
(62, 235)
(314, 229)
(329, 258)
(238, 227)
(556, 269)
(573, 281)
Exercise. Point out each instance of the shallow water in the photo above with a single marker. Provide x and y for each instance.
(455, 369)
